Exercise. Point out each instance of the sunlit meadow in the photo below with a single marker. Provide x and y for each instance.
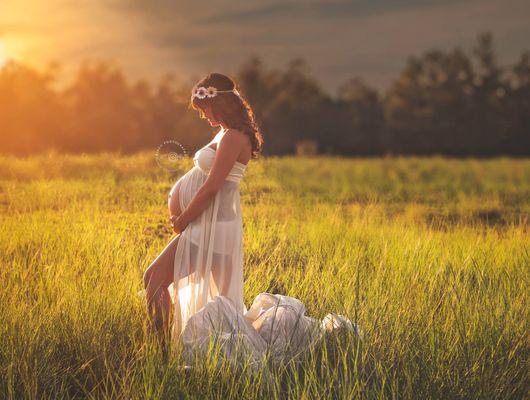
(429, 256)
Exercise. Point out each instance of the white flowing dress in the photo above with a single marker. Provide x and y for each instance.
(207, 291)
(209, 252)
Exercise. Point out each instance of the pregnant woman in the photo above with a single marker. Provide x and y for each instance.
(201, 270)
(205, 258)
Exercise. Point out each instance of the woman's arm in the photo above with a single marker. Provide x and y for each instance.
(228, 149)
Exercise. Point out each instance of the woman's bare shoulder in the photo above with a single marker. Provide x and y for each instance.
(236, 136)
(236, 133)
(241, 140)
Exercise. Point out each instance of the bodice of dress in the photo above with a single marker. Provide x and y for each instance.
(204, 157)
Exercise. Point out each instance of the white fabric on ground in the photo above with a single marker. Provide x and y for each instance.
(274, 326)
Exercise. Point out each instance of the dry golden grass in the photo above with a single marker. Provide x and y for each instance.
(429, 256)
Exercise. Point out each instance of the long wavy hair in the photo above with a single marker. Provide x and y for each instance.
(229, 108)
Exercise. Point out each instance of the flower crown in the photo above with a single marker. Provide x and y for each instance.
(201, 92)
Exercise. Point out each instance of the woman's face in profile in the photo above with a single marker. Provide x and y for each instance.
(207, 113)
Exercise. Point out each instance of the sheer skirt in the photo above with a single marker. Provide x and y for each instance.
(209, 253)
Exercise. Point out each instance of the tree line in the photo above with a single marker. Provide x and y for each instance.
(442, 102)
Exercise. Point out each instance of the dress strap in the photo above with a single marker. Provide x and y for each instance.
(218, 135)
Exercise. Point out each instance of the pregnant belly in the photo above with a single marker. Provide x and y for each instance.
(189, 184)
(173, 201)
(193, 177)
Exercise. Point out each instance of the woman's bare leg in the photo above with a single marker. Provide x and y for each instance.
(157, 278)
(222, 268)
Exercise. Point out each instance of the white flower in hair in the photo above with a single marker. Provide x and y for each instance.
(201, 92)
(211, 91)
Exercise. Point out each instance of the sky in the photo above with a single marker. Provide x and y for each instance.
(338, 39)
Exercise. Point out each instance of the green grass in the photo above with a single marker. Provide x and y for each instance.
(429, 256)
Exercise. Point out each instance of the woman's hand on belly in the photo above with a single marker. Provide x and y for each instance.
(177, 223)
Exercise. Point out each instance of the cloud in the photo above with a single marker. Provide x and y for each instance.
(322, 10)
(339, 39)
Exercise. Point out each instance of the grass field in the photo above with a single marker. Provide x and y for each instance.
(429, 256)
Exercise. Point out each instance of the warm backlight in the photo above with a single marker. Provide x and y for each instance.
(3, 54)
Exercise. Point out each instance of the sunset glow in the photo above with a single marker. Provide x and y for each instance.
(151, 38)
(3, 54)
